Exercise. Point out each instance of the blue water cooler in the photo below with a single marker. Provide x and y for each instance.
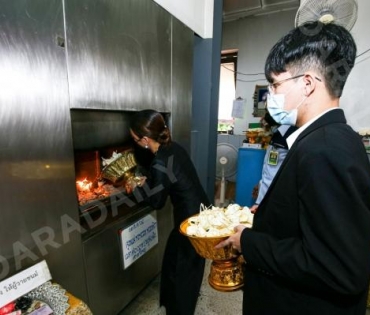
(249, 172)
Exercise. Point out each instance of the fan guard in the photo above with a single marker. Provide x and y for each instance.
(340, 12)
(227, 156)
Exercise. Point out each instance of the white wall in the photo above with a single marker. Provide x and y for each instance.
(195, 14)
(356, 99)
(254, 37)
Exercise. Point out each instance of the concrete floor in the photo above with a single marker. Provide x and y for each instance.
(210, 302)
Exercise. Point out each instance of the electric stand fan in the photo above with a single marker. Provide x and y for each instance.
(340, 12)
(226, 159)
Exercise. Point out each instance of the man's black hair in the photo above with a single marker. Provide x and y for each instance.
(327, 49)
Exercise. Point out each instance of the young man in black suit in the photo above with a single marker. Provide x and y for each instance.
(309, 249)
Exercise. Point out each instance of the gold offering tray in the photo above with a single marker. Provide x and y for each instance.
(120, 169)
(226, 272)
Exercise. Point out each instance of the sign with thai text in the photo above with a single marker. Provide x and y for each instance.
(23, 282)
(138, 238)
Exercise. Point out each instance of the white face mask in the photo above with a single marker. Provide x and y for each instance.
(275, 106)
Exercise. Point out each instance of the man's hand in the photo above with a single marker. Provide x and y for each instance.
(233, 240)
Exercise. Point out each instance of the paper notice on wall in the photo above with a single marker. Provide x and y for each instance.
(23, 282)
(238, 108)
(138, 238)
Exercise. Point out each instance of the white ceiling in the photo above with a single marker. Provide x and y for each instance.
(236, 9)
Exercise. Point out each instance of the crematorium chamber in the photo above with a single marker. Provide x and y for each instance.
(137, 66)
(123, 238)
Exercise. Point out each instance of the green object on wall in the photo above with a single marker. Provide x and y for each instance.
(254, 125)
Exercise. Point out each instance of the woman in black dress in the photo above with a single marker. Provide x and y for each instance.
(172, 174)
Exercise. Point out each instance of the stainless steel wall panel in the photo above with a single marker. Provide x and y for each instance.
(36, 153)
(182, 64)
(119, 54)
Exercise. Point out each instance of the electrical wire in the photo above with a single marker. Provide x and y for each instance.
(257, 80)
(241, 73)
(367, 50)
(251, 74)
(254, 74)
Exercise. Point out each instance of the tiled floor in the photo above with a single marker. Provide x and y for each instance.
(210, 302)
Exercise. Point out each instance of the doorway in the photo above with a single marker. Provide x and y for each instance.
(226, 151)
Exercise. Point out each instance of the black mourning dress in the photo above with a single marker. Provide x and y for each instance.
(172, 174)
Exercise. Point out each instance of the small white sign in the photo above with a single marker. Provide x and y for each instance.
(238, 108)
(23, 282)
(252, 145)
(138, 238)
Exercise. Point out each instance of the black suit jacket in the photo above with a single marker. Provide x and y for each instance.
(309, 249)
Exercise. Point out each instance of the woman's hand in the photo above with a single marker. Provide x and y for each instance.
(131, 184)
(140, 180)
(233, 240)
